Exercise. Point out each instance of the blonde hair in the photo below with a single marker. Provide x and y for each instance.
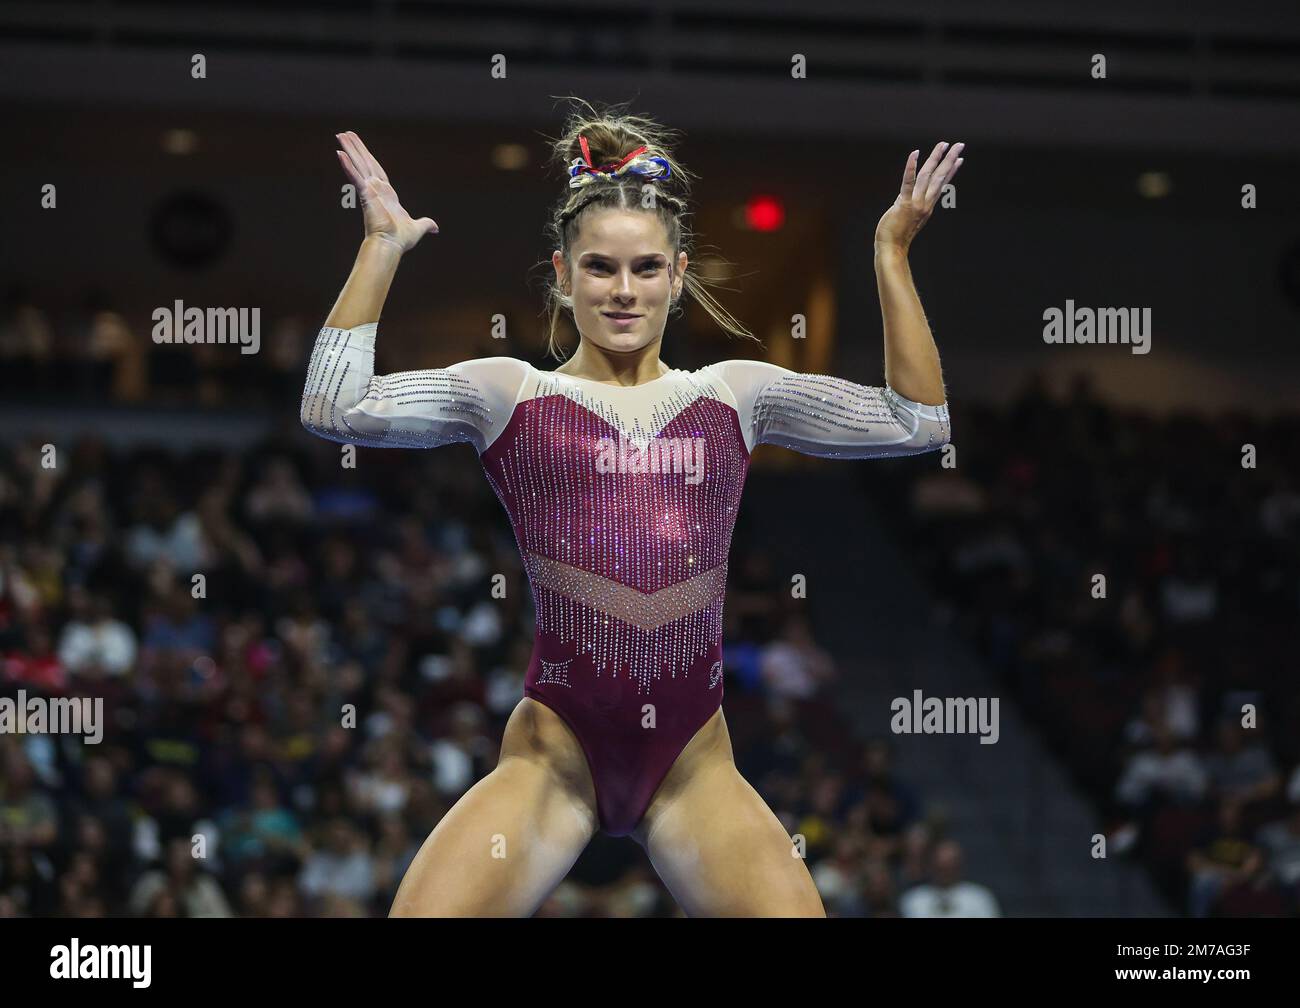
(611, 135)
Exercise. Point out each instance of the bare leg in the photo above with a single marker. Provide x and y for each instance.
(514, 835)
(717, 846)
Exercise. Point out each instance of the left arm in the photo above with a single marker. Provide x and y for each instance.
(827, 416)
(836, 418)
(911, 358)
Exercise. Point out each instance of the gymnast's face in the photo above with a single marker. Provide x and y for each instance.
(621, 265)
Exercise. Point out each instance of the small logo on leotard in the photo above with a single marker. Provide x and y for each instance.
(556, 673)
(715, 674)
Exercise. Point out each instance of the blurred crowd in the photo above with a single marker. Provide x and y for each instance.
(302, 670)
(93, 350)
(1136, 582)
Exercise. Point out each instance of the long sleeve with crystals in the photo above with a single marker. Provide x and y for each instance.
(830, 417)
(344, 400)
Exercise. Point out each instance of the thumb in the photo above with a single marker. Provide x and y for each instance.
(429, 225)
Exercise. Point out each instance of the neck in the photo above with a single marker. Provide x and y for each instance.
(634, 367)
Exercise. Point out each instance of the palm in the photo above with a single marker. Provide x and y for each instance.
(917, 196)
(382, 211)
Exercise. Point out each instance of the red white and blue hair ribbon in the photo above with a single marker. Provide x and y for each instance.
(649, 166)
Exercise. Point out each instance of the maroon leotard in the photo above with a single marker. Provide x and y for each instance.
(623, 500)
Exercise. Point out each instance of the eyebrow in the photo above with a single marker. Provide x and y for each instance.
(644, 255)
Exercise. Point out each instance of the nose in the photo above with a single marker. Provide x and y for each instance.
(623, 286)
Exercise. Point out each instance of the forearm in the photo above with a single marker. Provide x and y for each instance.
(911, 357)
(363, 295)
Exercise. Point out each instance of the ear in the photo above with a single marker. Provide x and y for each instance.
(679, 281)
(561, 270)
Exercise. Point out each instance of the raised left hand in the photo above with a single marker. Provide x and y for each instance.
(917, 196)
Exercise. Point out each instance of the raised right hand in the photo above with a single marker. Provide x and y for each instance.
(381, 209)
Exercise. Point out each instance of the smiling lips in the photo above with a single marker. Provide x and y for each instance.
(621, 320)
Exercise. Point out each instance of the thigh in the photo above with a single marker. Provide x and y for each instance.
(722, 852)
(513, 836)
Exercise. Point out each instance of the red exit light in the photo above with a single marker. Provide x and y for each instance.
(764, 213)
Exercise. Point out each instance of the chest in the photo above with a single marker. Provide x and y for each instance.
(673, 463)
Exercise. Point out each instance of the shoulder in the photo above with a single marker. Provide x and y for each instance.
(746, 379)
(490, 367)
(494, 375)
(743, 370)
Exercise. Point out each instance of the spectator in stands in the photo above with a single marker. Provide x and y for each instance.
(162, 531)
(20, 599)
(946, 895)
(99, 799)
(28, 817)
(1190, 592)
(839, 878)
(26, 338)
(196, 892)
(889, 804)
(879, 895)
(382, 790)
(1173, 700)
(1280, 841)
(266, 834)
(1240, 770)
(458, 759)
(1221, 859)
(1166, 771)
(343, 867)
(794, 665)
(278, 495)
(36, 665)
(94, 642)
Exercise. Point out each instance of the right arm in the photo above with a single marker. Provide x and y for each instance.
(343, 399)
(363, 296)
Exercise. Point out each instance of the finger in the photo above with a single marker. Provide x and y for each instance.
(363, 155)
(909, 175)
(942, 174)
(923, 176)
(354, 156)
(349, 170)
(375, 168)
(363, 164)
(348, 140)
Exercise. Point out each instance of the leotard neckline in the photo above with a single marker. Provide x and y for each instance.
(593, 381)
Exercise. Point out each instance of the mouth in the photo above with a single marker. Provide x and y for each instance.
(620, 316)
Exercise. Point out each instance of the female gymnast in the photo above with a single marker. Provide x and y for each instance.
(625, 546)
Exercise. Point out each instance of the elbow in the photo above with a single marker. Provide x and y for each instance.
(308, 416)
(928, 427)
(929, 436)
(317, 419)
(309, 426)
(936, 432)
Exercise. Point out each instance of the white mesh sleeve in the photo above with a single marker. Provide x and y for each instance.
(344, 400)
(830, 417)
